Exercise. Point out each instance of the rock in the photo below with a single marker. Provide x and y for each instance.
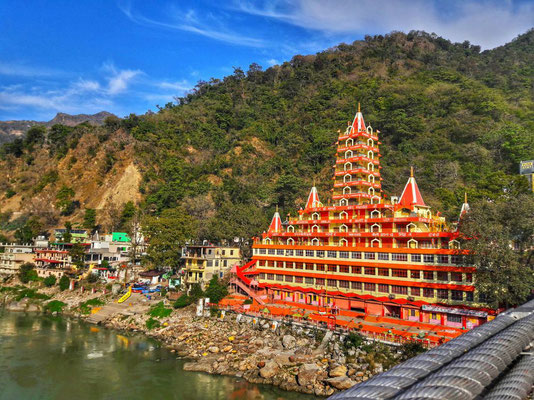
(378, 368)
(269, 370)
(340, 370)
(288, 341)
(213, 349)
(282, 358)
(307, 374)
(261, 364)
(341, 382)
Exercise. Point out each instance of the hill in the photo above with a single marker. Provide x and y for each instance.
(234, 148)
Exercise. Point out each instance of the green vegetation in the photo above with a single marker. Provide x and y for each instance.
(410, 349)
(85, 308)
(159, 311)
(27, 273)
(353, 339)
(50, 281)
(64, 283)
(216, 290)
(89, 219)
(65, 203)
(23, 292)
(152, 323)
(183, 301)
(54, 306)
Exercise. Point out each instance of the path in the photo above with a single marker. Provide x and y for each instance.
(131, 306)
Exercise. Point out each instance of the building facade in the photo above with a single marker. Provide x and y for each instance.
(388, 257)
(13, 256)
(204, 261)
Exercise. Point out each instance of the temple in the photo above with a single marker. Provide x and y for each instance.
(367, 253)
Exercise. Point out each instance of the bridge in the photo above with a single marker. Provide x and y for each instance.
(494, 361)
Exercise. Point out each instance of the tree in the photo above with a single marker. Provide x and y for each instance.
(49, 281)
(64, 200)
(77, 254)
(216, 290)
(195, 292)
(128, 212)
(166, 234)
(499, 236)
(27, 273)
(31, 228)
(35, 135)
(64, 283)
(89, 219)
(67, 236)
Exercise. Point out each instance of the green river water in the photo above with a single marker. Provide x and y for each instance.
(45, 357)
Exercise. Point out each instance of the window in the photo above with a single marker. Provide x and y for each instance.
(415, 257)
(344, 269)
(369, 287)
(289, 278)
(319, 281)
(357, 255)
(443, 294)
(428, 292)
(309, 281)
(356, 270)
(344, 284)
(383, 271)
(290, 253)
(383, 288)
(319, 267)
(231, 252)
(469, 296)
(356, 285)
(343, 254)
(428, 275)
(262, 275)
(332, 254)
(299, 253)
(332, 282)
(443, 276)
(279, 277)
(399, 273)
(457, 295)
(298, 279)
(456, 276)
(271, 251)
(443, 258)
(428, 258)
(456, 259)
(383, 256)
(309, 267)
(369, 271)
(399, 289)
(415, 274)
(454, 318)
(270, 264)
(469, 277)
(332, 268)
(415, 291)
(309, 253)
(369, 256)
(399, 257)
(299, 265)
(320, 253)
(279, 252)
(262, 251)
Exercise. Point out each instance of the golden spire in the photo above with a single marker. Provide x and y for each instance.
(411, 172)
(314, 181)
(359, 107)
(277, 208)
(465, 197)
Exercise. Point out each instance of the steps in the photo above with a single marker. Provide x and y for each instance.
(111, 309)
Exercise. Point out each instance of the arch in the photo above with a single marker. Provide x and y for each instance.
(347, 178)
(375, 214)
(411, 227)
(343, 202)
(371, 178)
(344, 215)
(370, 142)
(347, 190)
(369, 129)
(371, 155)
(348, 154)
(316, 216)
(348, 166)
(454, 244)
(377, 226)
(291, 242)
(315, 242)
(316, 228)
(291, 228)
(348, 130)
(376, 243)
(375, 199)
(349, 142)
(371, 191)
(413, 244)
(344, 242)
(370, 166)
(267, 241)
(343, 228)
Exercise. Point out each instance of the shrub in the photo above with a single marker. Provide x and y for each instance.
(49, 281)
(183, 301)
(93, 278)
(216, 290)
(30, 294)
(55, 306)
(196, 292)
(27, 273)
(353, 340)
(159, 311)
(152, 323)
(411, 349)
(248, 301)
(64, 283)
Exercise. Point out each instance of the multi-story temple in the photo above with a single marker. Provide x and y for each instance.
(388, 257)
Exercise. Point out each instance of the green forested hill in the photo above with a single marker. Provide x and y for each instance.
(234, 148)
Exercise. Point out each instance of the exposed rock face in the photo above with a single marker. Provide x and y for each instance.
(269, 370)
(288, 342)
(341, 382)
(340, 370)
(307, 374)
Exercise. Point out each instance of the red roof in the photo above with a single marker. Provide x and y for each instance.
(48, 261)
(313, 199)
(276, 224)
(358, 125)
(411, 195)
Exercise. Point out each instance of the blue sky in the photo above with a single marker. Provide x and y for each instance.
(127, 56)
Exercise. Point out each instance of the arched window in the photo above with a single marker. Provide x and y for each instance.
(316, 228)
(369, 129)
(348, 166)
(375, 199)
(291, 228)
(347, 178)
(375, 214)
(376, 243)
(315, 242)
(343, 215)
(371, 191)
(290, 242)
(343, 228)
(375, 228)
(267, 241)
(349, 142)
(316, 216)
(413, 244)
(370, 142)
(343, 202)
(454, 244)
(370, 155)
(344, 242)
(348, 154)
(371, 178)
(411, 227)
(370, 166)
(347, 190)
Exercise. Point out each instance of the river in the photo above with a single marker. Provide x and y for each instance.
(45, 357)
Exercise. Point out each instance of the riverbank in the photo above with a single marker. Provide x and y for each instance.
(292, 357)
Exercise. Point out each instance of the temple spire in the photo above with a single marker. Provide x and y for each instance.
(276, 223)
(411, 196)
(313, 198)
(465, 207)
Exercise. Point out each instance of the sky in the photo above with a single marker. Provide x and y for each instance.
(128, 56)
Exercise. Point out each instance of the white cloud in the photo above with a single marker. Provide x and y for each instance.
(182, 85)
(272, 62)
(189, 22)
(488, 23)
(119, 80)
(20, 69)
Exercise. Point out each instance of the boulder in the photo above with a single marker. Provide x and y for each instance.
(269, 370)
(307, 374)
(341, 382)
(213, 349)
(340, 370)
(288, 342)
